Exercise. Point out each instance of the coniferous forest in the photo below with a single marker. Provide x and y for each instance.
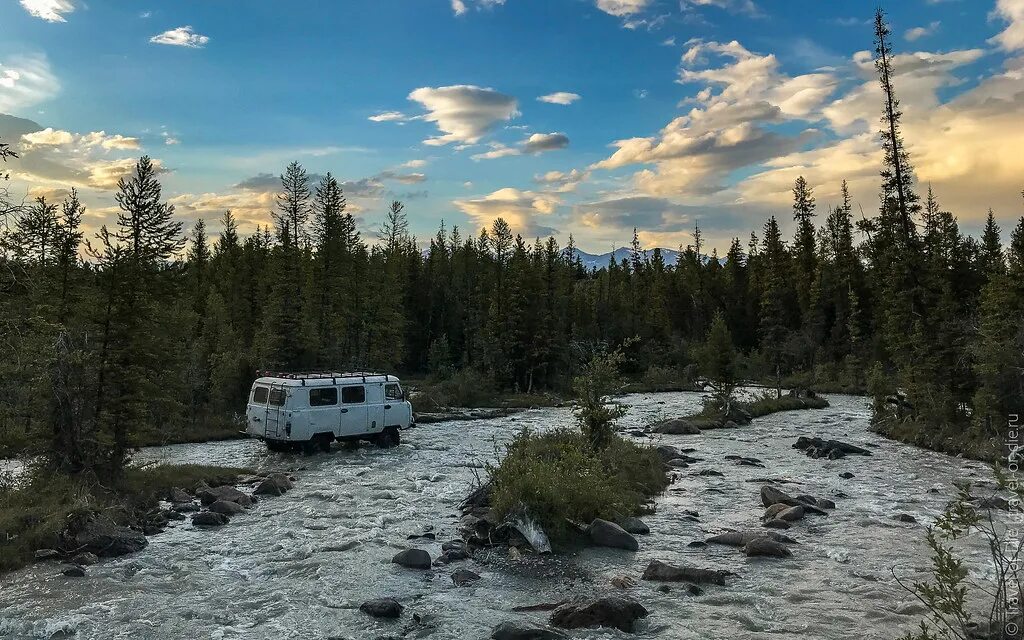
(146, 322)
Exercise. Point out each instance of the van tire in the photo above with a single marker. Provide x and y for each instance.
(277, 446)
(388, 438)
(324, 440)
(310, 446)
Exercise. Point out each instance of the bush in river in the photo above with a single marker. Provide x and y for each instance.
(559, 475)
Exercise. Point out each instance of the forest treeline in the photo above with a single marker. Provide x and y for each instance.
(141, 326)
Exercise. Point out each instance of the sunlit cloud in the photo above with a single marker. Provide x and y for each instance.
(49, 10)
(181, 37)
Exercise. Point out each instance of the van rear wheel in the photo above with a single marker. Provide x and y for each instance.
(388, 438)
(324, 441)
(277, 446)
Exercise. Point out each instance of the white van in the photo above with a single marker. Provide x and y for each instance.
(312, 410)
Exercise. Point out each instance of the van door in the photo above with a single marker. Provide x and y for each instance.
(353, 410)
(276, 398)
(323, 410)
(394, 410)
(375, 419)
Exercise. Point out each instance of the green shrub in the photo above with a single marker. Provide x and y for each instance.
(35, 511)
(558, 476)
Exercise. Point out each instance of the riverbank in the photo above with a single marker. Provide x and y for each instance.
(954, 442)
(47, 510)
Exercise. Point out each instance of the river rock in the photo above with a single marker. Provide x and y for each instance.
(171, 514)
(741, 538)
(678, 463)
(792, 514)
(994, 502)
(85, 559)
(676, 426)
(453, 555)
(74, 571)
(462, 577)
(770, 495)
(659, 571)
(846, 475)
(413, 559)
(209, 519)
(821, 503)
(635, 526)
(521, 630)
(382, 608)
(46, 554)
(766, 547)
(178, 495)
(186, 507)
(710, 472)
(282, 480)
(905, 517)
(268, 487)
(608, 534)
(208, 495)
(775, 523)
(618, 612)
(831, 449)
(774, 510)
(106, 539)
(226, 508)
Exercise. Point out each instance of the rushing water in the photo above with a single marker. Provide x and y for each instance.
(299, 566)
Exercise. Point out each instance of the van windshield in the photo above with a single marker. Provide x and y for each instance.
(277, 397)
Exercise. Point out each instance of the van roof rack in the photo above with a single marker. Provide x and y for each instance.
(319, 375)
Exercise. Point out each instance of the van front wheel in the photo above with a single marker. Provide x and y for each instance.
(388, 438)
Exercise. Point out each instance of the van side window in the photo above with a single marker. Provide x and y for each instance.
(277, 397)
(323, 397)
(353, 395)
(392, 392)
(259, 395)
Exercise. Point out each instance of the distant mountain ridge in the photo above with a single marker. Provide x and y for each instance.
(600, 260)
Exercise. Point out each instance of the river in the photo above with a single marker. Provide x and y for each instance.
(299, 566)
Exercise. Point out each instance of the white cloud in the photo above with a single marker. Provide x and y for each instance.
(459, 7)
(733, 6)
(48, 137)
(181, 37)
(25, 81)
(520, 209)
(621, 8)
(463, 113)
(49, 10)
(541, 142)
(562, 181)
(917, 33)
(413, 164)
(560, 97)
(1012, 11)
(389, 116)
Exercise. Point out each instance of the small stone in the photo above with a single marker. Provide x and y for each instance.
(85, 559)
(521, 630)
(846, 475)
(46, 554)
(623, 582)
(225, 507)
(766, 547)
(462, 577)
(608, 534)
(178, 496)
(710, 472)
(777, 524)
(905, 517)
(635, 525)
(74, 571)
(382, 608)
(209, 519)
(413, 559)
(268, 487)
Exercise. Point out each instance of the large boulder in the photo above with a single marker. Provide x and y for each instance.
(766, 547)
(209, 519)
(178, 496)
(792, 514)
(84, 559)
(106, 539)
(462, 577)
(521, 630)
(413, 559)
(209, 495)
(676, 426)
(659, 571)
(382, 608)
(831, 449)
(608, 534)
(227, 508)
(282, 480)
(618, 612)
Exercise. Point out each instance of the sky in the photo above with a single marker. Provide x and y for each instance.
(582, 117)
